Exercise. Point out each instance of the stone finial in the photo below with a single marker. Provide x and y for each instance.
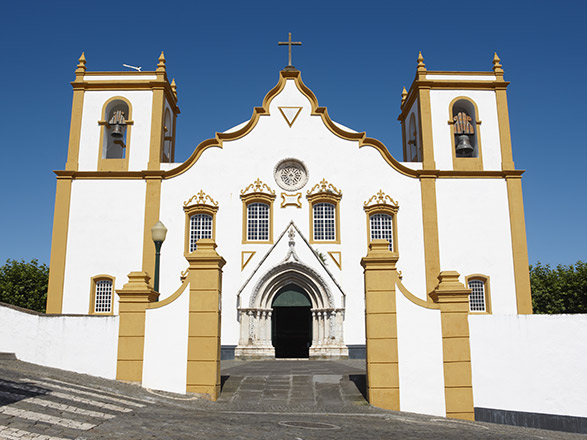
(81, 65)
(496, 64)
(161, 65)
(174, 88)
(404, 95)
(421, 65)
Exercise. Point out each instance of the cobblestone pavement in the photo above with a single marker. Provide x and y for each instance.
(301, 400)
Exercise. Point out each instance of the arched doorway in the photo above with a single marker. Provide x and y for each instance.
(291, 323)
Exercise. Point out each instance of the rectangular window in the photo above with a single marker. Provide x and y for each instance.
(324, 222)
(258, 222)
(103, 297)
(200, 227)
(477, 297)
(381, 226)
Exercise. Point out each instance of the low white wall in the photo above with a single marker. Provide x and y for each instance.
(530, 363)
(83, 343)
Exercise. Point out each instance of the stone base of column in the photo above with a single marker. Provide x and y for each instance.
(329, 352)
(250, 352)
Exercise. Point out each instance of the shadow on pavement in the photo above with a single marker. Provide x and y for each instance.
(360, 381)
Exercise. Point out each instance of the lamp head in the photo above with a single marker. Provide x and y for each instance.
(158, 232)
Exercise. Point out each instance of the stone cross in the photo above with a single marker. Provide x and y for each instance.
(290, 44)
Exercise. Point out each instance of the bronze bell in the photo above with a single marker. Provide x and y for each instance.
(117, 131)
(464, 147)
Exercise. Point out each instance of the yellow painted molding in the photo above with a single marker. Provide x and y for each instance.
(175, 295)
(59, 245)
(465, 163)
(199, 203)
(290, 123)
(93, 282)
(257, 192)
(325, 192)
(152, 207)
(430, 232)
(246, 258)
(291, 200)
(426, 137)
(519, 246)
(336, 257)
(75, 130)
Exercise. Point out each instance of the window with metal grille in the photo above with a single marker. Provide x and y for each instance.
(258, 222)
(381, 226)
(200, 227)
(477, 297)
(324, 222)
(103, 296)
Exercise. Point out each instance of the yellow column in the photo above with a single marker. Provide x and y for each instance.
(205, 277)
(135, 296)
(453, 300)
(381, 326)
(59, 245)
(152, 208)
(519, 245)
(430, 223)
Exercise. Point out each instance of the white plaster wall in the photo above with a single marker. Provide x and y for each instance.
(474, 234)
(140, 132)
(421, 373)
(84, 344)
(530, 363)
(105, 237)
(457, 77)
(488, 130)
(166, 346)
(358, 172)
(119, 77)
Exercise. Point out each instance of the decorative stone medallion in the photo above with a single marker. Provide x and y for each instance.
(290, 174)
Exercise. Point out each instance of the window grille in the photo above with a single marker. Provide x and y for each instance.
(258, 222)
(382, 228)
(324, 222)
(477, 297)
(200, 227)
(103, 298)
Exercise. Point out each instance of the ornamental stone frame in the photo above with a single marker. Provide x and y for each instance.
(255, 320)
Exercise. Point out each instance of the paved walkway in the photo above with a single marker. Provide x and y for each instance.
(273, 400)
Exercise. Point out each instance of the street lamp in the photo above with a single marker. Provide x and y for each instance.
(158, 233)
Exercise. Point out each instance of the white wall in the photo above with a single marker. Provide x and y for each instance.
(84, 344)
(530, 363)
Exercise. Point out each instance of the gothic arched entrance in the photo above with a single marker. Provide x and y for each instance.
(291, 323)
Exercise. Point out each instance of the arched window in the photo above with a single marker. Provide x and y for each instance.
(479, 299)
(414, 148)
(167, 155)
(257, 222)
(324, 201)
(381, 227)
(200, 227)
(101, 295)
(200, 212)
(464, 121)
(257, 212)
(382, 212)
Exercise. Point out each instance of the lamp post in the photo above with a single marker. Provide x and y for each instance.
(158, 233)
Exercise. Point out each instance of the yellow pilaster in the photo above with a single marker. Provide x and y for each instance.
(152, 208)
(59, 245)
(75, 128)
(381, 326)
(135, 296)
(453, 300)
(430, 232)
(519, 245)
(205, 277)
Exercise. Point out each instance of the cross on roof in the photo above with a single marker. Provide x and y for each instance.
(290, 44)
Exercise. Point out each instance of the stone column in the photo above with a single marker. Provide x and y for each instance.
(205, 275)
(244, 327)
(268, 329)
(320, 328)
(314, 328)
(135, 296)
(381, 325)
(453, 300)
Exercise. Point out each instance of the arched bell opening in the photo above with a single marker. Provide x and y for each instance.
(260, 332)
(291, 323)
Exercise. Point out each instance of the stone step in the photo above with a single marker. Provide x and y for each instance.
(7, 356)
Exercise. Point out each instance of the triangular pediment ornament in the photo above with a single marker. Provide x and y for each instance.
(246, 257)
(290, 114)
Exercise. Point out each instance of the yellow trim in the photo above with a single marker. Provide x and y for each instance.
(325, 192)
(519, 245)
(285, 203)
(414, 299)
(430, 231)
(426, 137)
(503, 120)
(59, 245)
(152, 209)
(157, 122)
(285, 117)
(75, 130)
(466, 163)
(486, 290)
(172, 297)
(257, 192)
(246, 258)
(200, 207)
(114, 164)
(93, 281)
(382, 203)
(336, 257)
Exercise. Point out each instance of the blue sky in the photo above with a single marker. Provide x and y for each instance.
(356, 56)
